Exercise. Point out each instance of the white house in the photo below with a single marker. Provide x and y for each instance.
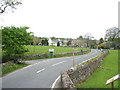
(55, 42)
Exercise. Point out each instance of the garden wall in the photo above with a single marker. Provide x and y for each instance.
(79, 74)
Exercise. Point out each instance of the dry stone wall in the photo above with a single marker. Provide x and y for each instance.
(79, 74)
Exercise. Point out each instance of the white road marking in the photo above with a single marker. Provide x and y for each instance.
(58, 63)
(53, 85)
(41, 70)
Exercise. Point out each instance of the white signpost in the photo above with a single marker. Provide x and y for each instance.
(51, 51)
(111, 80)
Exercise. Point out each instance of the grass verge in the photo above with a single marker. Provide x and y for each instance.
(10, 67)
(108, 69)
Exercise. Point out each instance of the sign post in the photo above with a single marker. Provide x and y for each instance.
(73, 56)
(111, 80)
(51, 51)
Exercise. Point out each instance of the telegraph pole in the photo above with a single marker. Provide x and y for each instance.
(73, 57)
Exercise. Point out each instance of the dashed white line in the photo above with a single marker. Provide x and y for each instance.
(41, 70)
(58, 63)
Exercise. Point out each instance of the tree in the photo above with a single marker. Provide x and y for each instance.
(52, 38)
(45, 42)
(80, 37)
(93, 44)
(101, 40)
(88, 37)
(112, 37)
(112, 33)
(101, 46)
(36, 40)
(9, 4)
(69, 43)
(13, 41)
(58, 43)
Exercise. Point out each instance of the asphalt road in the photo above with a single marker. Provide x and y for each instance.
(42, 73)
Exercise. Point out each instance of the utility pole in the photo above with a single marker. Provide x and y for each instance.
(73, 56)
(33, 42)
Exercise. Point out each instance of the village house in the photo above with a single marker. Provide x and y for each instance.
(54, 42)
(57, 42)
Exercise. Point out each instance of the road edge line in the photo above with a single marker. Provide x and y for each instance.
(53, 85)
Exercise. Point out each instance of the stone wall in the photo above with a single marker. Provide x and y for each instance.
(79, 74)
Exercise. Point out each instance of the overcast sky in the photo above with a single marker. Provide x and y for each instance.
(65, 18)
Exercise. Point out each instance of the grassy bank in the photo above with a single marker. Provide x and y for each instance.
(10, 67)
(45, 49)
(32, 50)
(108, 69)
(55, 56)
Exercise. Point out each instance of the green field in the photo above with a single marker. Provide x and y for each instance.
(108, 69)
(45, 49)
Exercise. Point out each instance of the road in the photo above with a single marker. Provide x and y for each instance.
(42, 74)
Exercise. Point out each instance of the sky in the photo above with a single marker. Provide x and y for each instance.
(64, 18)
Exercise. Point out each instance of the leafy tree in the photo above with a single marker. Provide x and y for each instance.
(69, 42)
(80, 37)
(13, 41)
(58, 43)
(101, 46)
(53, 38)
(101, 40)
(9, 4)
(45, 42)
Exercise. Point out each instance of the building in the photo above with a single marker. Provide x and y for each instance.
(54, 42)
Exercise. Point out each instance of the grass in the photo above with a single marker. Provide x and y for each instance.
(56, 56)
(108, 69)
(32, 50)
(45, 49)
(10, 67)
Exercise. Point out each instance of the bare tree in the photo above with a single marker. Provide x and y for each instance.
(112, 33)
(88, 37)
(112, 37)
(8, 4)
(36, 40)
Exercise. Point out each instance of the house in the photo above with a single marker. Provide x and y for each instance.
(54, 42)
